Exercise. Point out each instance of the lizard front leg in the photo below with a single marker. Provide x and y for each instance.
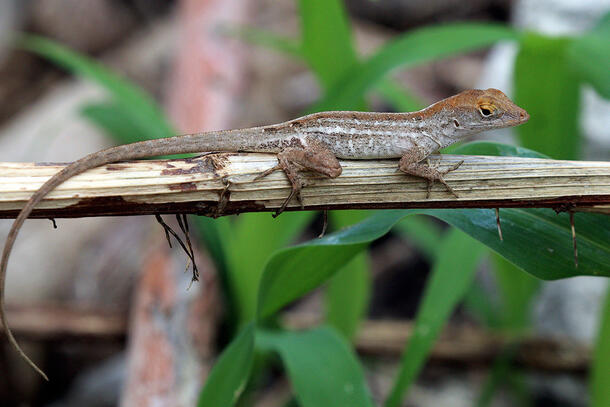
(294, 160)
(411, 163)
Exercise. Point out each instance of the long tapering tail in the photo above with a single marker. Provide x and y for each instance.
(150, 148)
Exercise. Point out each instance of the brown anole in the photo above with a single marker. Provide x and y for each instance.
(313, 142)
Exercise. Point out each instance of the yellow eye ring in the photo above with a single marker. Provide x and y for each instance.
(486, 110)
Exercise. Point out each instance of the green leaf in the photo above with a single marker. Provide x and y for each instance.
(230, 373)
(538, 240)
(547, 229)
(116, 121)
(415, 47)
(499, 149)
(484, 308)
(347, 296)
(349, 290)
(326, 39)
(250, 242)
(546, 87)
(589, 57)
(504, 374)
(600, 379)
(517, 289)
(294, 271)
(136, 104)
(322, 367)
(445, 288)
(400, 98)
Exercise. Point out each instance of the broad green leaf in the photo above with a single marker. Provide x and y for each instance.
(230, 373)
(415, 47)
(499, 149)
(539, 241)
(349, 290)
(589, 57)
(546, 227)
(451, 276)
(536, 240)
(323, 369)
(251, 240)
(546, 87)
(296, 270)
(600, 379)
(137, 104)
(326, 39)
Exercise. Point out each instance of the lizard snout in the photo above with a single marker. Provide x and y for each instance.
(523, 116)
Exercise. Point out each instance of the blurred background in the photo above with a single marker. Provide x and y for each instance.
(101, 303)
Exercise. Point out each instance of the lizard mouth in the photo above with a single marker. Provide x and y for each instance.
(516, 119)
(523, 116)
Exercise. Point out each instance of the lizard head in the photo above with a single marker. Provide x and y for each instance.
(473, 111)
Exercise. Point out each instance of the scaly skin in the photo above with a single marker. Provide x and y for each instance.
(312, 142)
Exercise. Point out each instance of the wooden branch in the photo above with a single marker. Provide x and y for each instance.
(457, 343)
(462, 344)
(196, 185)
(53, 321)
(470, 345)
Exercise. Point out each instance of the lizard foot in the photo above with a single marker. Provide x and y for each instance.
(294, 160)
(429, 173)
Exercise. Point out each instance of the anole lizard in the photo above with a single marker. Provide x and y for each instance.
(313, 142)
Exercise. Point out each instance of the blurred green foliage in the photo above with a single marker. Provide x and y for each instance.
(264, 277)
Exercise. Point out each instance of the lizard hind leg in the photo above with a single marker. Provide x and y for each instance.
(294, 160)
(431, 174)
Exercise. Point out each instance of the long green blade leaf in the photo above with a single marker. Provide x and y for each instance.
(600, 378)
(517, 289)
(546, 87)
(323, 369)
(230, 373)
(326, 39)
(453, 272)
(349, 290)
(415, 47)
(294, 271)
(589, 57)
(248, 253)
(140, 107)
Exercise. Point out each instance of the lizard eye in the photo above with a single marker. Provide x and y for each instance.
(456, 123)
(485, 111)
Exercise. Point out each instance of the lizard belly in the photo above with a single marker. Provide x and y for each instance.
(356, 147)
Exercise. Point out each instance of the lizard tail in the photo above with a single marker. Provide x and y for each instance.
(148, 148)
(230, 140)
